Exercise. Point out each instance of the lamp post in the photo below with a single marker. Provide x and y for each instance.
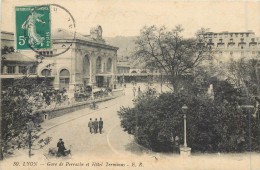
(184, 111)
(185, 150)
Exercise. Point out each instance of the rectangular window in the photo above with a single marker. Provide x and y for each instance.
(22, 69)
(215, 35)
(32, 69)
(10, 69)
(253, 40)
(231, 40)
(241, 34)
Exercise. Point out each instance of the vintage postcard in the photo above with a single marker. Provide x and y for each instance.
(130, 84)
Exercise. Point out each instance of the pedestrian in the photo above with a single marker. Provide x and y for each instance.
(95, 125)
(139, 91)
(90, 125)
(94, 104)
(100, 125)
(134, 90)
(61, 148)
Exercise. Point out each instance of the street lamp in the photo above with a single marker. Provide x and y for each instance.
(184, 111)
(185, 150)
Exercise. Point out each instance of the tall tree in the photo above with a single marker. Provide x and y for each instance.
(19, 101)
(171, 52)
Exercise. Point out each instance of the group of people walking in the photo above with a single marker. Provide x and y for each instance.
(95, 126)
(138, 92)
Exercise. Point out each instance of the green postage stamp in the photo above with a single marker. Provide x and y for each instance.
(33, 27)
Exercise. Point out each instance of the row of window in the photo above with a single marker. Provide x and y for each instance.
(232, 40)
(242, 52)
(241, 46)
(226, 35)
(21, 69)
(63, 73)
(123, 70)
(44, 53)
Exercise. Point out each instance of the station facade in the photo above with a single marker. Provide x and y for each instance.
(89, 60)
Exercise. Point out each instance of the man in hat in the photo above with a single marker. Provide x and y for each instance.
(100, 125)
(95, 125)
(61, 148)
(90, 125)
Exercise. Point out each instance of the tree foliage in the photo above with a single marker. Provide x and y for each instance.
(6, 50)
(219, 125)
(18, 103)
(240, 73)
(170, 52)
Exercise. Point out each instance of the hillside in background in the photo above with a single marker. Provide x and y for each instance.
(125, 44)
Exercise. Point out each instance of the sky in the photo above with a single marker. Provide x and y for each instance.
(127, 17)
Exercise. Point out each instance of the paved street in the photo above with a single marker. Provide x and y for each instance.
(76, 133)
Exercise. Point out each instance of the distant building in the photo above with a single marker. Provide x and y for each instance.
(233, 45)
(13, 64)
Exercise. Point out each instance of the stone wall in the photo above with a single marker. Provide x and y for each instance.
(47, 114)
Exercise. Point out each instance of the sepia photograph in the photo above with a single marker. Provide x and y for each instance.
(130, 85)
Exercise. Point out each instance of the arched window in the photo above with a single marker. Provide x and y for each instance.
(98, 65)
(64, 79)
(143, 71)
(46, 72)
(64, 73)
(109, 65)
